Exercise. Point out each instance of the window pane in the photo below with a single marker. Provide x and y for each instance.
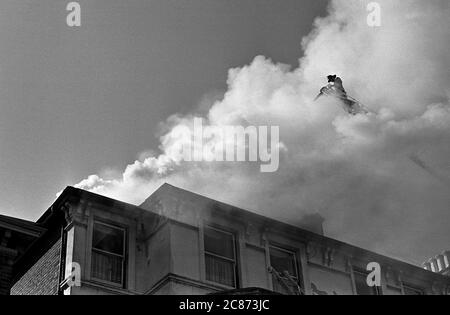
(108, 239)
(284, 285)
(219, 243)
(361, 285)
(326, 281)
(107, 267)
(220, 270)
(283, 261)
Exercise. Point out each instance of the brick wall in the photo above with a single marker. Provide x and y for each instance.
(7, 257)
(42, 278)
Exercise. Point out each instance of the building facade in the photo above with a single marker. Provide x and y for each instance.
(178, 242)
(16, 236)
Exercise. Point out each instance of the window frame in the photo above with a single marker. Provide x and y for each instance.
(234, 261)
(124, 255)
(296, 263)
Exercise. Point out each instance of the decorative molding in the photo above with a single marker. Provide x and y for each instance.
(327, 256)
(76, 212)
(348, 264)
(324, 256)
(250, 230)
(311, 250)
(264, 237)
(331, 257)
(399, 276)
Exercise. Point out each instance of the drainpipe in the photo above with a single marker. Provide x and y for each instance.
(62, 260)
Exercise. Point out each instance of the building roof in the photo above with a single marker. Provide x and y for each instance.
(235, 212)
(21, 226)
(249, 216)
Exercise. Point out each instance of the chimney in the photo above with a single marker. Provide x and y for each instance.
(312, 223)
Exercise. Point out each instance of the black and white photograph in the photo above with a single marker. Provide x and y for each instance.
(225, 153)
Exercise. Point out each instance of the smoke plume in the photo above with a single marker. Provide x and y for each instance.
(356, 171)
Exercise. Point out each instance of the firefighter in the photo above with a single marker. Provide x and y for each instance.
(336, 89)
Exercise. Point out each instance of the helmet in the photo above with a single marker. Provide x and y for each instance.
(331, 78)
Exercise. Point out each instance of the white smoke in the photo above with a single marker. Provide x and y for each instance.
(356, 171)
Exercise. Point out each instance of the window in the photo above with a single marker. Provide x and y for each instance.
(412, 291)
(327, 281)
(285, 277)
(220, 257)
(108, 253)
(361, 285)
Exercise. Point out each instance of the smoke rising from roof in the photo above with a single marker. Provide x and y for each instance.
(355, 170)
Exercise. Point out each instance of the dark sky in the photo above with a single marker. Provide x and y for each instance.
(74, 102)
